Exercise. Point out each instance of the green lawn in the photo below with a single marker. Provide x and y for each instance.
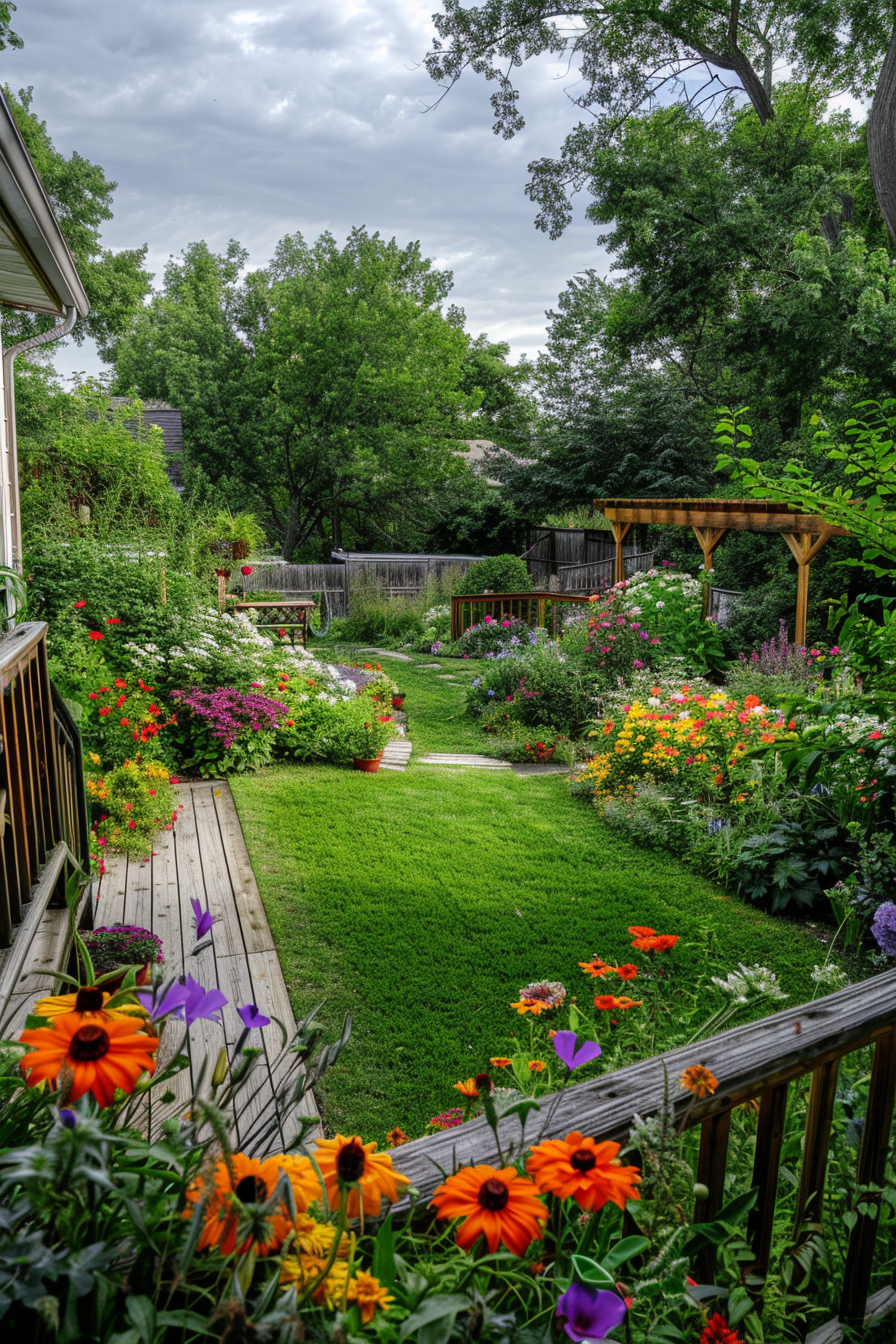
(422, 901)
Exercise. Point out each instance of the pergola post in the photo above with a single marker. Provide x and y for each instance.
(620, 532)
(708, 539)
(804, 546)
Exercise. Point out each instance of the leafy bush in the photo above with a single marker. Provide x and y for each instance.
(792, 863)
(778, 668)
(669, 605)
(491, 635)
(131, 802)
(225, 731)
(124, 718)
(495, 574)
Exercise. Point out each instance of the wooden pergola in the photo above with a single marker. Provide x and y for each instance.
(711, 519)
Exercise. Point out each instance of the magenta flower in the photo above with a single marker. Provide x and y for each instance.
(589, 1313)
(564, 1042)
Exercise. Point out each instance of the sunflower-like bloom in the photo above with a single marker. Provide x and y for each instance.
(499, 1205)
(90, 1001)
(501, 1062)
(467, 1088)
(301, 1271)
(699, 1080)
(655, 942)
(303, 1179)
(535, 1006)
(241, 1185)
(369, 1295)
(578, 1168)
(366, 1174)
(80, 1054)
(608, 1003)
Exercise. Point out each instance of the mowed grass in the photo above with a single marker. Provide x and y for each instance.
(421, 901)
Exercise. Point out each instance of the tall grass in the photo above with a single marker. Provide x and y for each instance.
(375, 614)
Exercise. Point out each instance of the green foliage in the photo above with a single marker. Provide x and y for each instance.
(792, 863)
(495, 574)
(242, 529)
(116, 282)
(133, 802)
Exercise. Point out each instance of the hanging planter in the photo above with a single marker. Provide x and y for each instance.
(371, 766)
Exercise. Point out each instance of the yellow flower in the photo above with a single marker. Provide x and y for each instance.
(369, 1295)
(93, 756)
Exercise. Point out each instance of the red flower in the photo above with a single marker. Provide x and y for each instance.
(120, 701)
(113, 620)
(133, 825)
(124, 723)
(153, 709)
(95, 634)
(79, 605)
(91, 695)
(120, 685)
(247, 570)
(104, 711)
(718, 1331)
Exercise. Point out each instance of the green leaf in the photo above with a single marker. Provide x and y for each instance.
(590, 1272)
(625, 1250)
(384, 1254)
(438, 1307)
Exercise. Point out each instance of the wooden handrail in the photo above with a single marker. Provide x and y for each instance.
(758, 1060)
(505, 603)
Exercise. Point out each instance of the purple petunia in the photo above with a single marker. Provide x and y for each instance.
(229, 713)
(589, 1313)
(564, 1042)
(883, 926)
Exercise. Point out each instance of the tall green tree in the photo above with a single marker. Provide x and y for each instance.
(81, 196)
(331, 390)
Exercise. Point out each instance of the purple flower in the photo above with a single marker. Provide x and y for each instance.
(67, 1119)
(172, 1001)
(589, 1313)
(251, 1017)
(883, 926)
(201, 1003)
(565, 1045)
(204, 919)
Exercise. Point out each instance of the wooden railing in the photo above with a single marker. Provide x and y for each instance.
(757, 1062)
(43, 815)
(597, 575)
(533, 608)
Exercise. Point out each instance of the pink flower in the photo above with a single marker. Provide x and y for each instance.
(835, 649)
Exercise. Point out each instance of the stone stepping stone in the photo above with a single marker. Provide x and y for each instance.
(457, 758)
(429, 664)
(526, 768)
(447, 676)
(388, 653)
(396, 754)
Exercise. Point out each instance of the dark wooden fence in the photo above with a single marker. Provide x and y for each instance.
(533, 608)
(757, 1062)
(398, 578)
(597, 575)
(43, 815)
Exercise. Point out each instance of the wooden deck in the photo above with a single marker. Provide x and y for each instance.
(205, 856)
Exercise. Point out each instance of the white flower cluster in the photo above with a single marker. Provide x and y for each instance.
(437, 613)
(830, 977)
(750, 982)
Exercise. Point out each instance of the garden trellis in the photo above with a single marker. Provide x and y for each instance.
(710, 520)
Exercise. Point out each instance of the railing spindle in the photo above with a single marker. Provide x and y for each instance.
(822, 1095)
(871, 1169)
(711, 1166)
(766, 1161)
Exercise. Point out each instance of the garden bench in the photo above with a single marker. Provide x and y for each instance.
(288, 616)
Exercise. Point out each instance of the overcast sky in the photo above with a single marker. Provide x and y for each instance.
(222, 121)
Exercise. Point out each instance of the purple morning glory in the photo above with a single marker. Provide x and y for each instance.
(204, 918)
(172, 1001)
(251, 1017)
(564, 1043)
(589, 1313)
(201, 1003)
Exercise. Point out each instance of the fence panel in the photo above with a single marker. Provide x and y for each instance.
(534, 608)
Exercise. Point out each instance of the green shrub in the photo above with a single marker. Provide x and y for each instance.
(496, 574)
(132, 802)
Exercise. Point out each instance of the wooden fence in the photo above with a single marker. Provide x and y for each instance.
(43, 815)
(757, 1062)
(597, 575)
(533, 608)
(398, 578)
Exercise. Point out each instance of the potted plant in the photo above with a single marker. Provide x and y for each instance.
(123, 945)
(370, 741)
(233, 537)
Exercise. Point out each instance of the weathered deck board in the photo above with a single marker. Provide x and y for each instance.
(205, 856)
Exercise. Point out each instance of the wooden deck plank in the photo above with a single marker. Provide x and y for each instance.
(257, 935)
(219, 893)
(111, 906)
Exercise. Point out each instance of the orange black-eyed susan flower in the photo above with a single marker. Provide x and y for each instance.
(235, 1186)
(641, 931)
(79, 1054)
(501, 1062)
(497, 1204)
(396, 1137)
(535, 1006)
(579, 1168)
(369, 1294)
(608, 1003)
(368, 1176)
(596, 968)
(627, 971)
(700, 1081)
(537, 1066)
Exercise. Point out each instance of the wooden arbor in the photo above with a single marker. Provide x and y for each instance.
(710, 519)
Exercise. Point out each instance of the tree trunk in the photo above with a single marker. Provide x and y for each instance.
(290, 535)
(882, 138)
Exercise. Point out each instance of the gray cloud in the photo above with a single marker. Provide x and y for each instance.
(219, 120)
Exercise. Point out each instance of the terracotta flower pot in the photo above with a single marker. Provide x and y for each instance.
(370, 766)
(239, 550)
(112, 986)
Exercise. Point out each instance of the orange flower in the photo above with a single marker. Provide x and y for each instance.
(369, 1295)
(530, 1006)
(79, 1054)
(230, 1187)
(499, 1205)
(467, 1089)
(396, 1137)
(627, 972)
(641, 931)
(609, 1002)
(499, 1062)
(659, 942)
(700, 1081)
(353, 1165)
(578, 1168)
(302, 1177)
(595, 967)
(90, 1001)
(537, 1066)
(751, 701)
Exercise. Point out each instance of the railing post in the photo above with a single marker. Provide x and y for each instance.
(871, 1169)
(766, 1161)
(711, 1166)
(819, 1119)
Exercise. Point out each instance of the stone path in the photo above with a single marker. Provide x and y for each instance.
(429, 665)
(388, 653)
(396, 754)
(525, 768)
(459, 758)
